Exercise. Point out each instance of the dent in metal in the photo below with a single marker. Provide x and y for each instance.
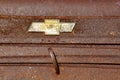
(51, 27)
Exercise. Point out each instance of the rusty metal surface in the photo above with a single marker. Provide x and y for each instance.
(98, 30)
(47, 73)
(60, 7)
(97, 21)
(33, 62)
(90, 52)
(36, 53)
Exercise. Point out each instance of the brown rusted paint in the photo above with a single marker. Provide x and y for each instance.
(33, 62)
(90, 52)
(99, 30)
(60, 7)
(47, 73)
(97, 21)
(64, 53)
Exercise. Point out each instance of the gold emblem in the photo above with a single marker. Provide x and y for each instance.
(51, 27)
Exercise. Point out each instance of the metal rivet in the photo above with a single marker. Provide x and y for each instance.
(54, 59)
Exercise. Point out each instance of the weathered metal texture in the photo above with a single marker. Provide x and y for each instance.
(47, 73)
(100, 30)
(60, 7)
(75, 61)
(97, 21)
(90, 52)
(37, 53)
(33, 62)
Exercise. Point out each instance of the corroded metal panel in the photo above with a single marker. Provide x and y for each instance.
(90, 52)
(37, 53)
(99, 30)
(60, 7)
(47, 73)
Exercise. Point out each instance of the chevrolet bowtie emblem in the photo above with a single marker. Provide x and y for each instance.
(51, 27)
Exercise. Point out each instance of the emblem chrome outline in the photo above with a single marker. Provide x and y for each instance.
(51, 27)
